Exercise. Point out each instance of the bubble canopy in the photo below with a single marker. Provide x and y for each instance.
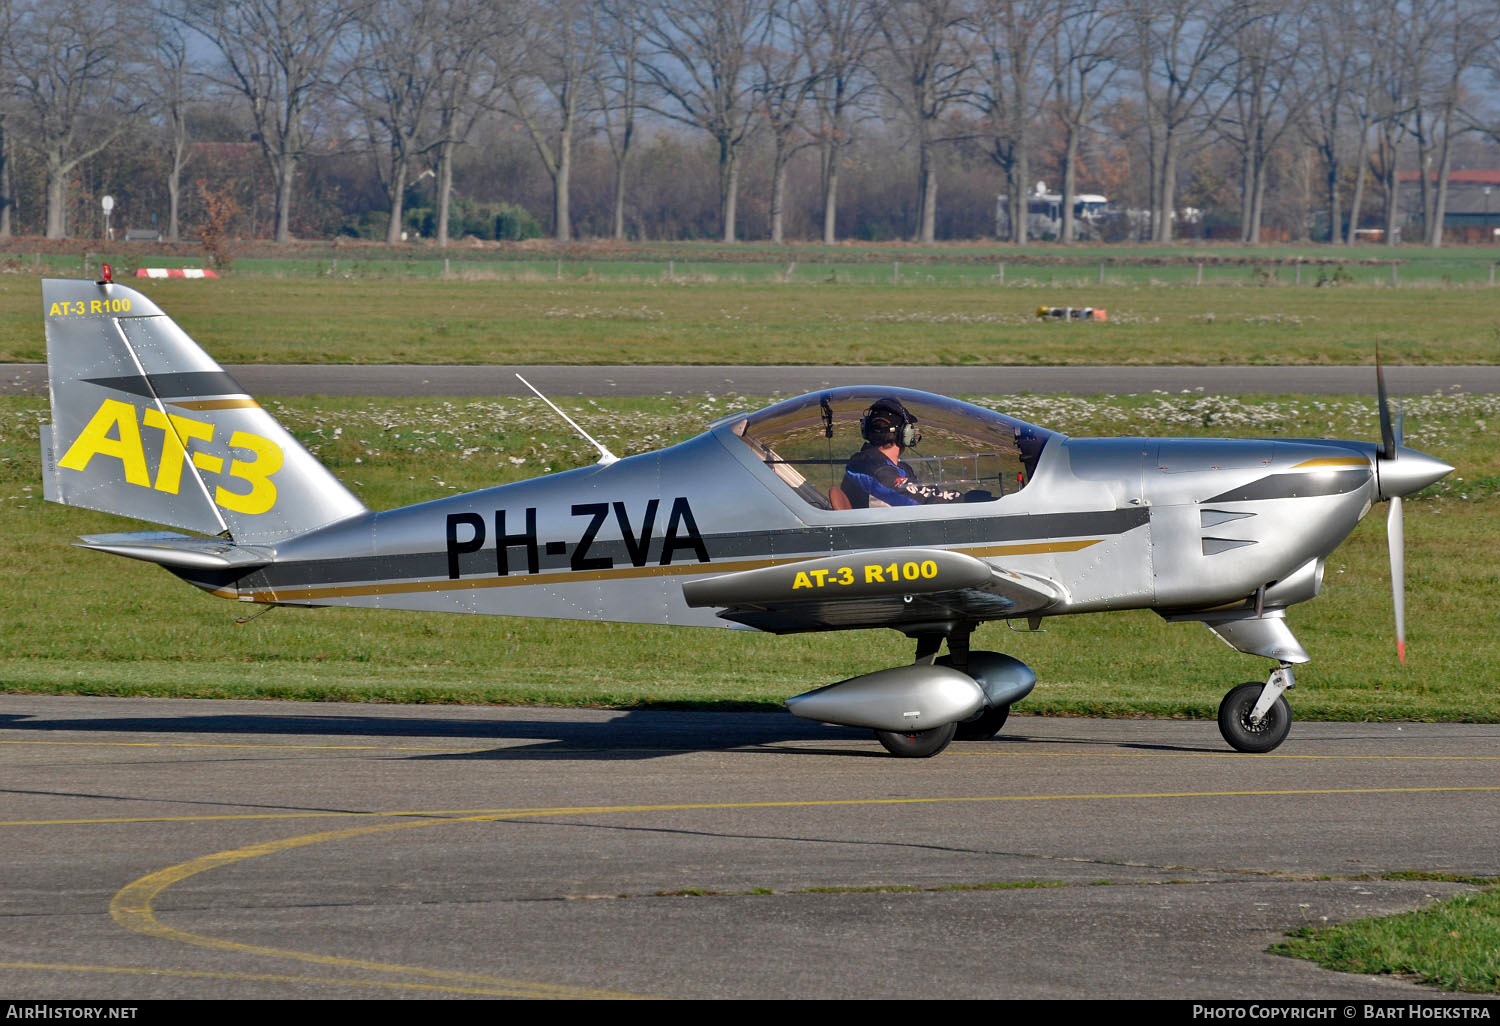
(808, 440)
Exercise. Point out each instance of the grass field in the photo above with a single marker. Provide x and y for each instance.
(74, 621)
(1454, 944)
(538, 320)
(1002, 269)
(851, 262)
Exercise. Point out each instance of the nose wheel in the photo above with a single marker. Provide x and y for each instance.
(1255, 717)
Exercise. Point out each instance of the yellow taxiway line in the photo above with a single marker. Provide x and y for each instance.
(132, 907)
(433, 817)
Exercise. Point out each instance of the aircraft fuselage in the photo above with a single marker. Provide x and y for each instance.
(1120, 523)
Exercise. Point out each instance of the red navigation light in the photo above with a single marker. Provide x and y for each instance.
(106, 274)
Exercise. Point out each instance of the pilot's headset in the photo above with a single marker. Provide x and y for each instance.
(887, 421)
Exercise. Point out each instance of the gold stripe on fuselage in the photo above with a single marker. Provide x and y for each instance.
(623, 573)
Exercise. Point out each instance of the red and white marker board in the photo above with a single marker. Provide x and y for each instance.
(174, 272)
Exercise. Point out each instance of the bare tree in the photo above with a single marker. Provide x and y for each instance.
(167, 79)
(392, 84)
(1461, 33)
(837, 36)
(1371, 97)
(72, 88)
(700, 70)
(924, 68)
(1009, 44)
(616, 83)
(1174, 47)
(1082, 56)
(1391, 92)
(558, 49)
(785, 91)
(1364, 118)
(7, 184)
(467, 76)
(1266, 94)
(1337, 66)
(1421, 52)
(277, 56)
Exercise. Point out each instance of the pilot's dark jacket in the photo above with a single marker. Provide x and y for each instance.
(871, 474)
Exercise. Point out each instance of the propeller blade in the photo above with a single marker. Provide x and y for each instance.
(1388, 439)
(1396, 539)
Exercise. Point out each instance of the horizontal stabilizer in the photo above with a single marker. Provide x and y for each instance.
(171, 549)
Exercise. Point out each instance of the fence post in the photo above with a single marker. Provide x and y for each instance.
(1492, 269)
(895, 271)
(1002, 272)
(558, 276)
(672, 269)
(445, 267)
(335, 269)
(1297, 278)
(1394, 282)
(1200, 274)
(1101, 272)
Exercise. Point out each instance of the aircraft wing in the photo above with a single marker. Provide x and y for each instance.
(873, 588)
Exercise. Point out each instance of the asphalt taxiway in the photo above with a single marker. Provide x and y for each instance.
(177, 848)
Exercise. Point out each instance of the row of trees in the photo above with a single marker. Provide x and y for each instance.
(1153, 90)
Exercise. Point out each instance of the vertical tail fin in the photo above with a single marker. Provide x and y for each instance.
(147, 425)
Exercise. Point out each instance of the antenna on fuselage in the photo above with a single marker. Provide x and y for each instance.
(605, 456)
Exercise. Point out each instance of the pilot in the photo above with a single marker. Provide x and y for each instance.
(876, 471)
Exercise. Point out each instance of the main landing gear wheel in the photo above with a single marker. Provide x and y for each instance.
(917, 744)
(1235, 725)
(984, 726)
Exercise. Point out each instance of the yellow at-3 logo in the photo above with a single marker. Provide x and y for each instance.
(113, 431)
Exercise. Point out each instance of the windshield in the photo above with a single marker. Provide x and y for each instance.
(812, 441)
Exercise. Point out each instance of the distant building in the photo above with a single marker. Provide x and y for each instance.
(1472, 210)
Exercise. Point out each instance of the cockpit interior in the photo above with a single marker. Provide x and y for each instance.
(808, 442)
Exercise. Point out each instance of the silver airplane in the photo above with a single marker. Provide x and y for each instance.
(762, 522)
